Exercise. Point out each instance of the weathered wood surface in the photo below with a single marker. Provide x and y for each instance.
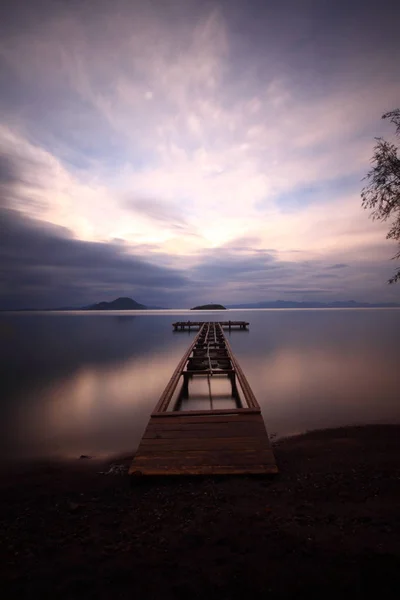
(235, 444)
(166, 396)
(209, 354)
(216, 411)
(222, 441)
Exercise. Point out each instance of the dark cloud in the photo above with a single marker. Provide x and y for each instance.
(8, 170)
(229, 275)
(17, 169)
(338, 266)
(316, 41)
(233, 265)
(306, 291)
(325, 276)
(20, 172)
(157, 210)
(42, 265)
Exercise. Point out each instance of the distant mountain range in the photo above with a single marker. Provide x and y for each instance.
(117, 304)
(292, 304)
(129, 304)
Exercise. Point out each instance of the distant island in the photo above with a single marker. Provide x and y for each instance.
(118, 304)
(209, 307)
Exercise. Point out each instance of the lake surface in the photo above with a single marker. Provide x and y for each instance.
(85, 382)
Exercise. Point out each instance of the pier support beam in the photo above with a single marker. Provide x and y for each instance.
(235, 391)
(185, 385)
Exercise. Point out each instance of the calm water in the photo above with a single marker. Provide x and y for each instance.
(85, 383)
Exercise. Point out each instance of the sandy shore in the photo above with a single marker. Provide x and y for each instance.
(328, 526)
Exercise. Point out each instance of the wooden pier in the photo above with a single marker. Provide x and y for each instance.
(180, 440)
(188, 325)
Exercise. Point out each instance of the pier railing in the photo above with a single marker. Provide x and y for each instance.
(209, 355)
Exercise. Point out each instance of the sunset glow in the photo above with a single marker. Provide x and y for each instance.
(163, 152)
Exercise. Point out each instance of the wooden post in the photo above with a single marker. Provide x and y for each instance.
(235, 392)
(185, 386)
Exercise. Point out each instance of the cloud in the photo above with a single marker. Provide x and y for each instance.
(43, 265)
(201, 136)
(325, 275)
(307, 292)
(237, 275)
(7, 170)
(167, 213)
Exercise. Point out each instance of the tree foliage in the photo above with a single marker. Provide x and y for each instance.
(381, 193)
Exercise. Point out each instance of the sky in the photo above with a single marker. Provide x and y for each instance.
(180, 152)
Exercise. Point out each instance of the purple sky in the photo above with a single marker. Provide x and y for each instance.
(180, 152)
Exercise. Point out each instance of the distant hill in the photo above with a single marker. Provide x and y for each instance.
(209, 307)
(292, 304)
(129, 304)
(118, 304)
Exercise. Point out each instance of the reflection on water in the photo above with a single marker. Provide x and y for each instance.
(82, 405)
(82, 383)
(208, 393)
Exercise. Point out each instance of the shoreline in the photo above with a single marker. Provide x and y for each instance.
(104, 460)
(328, 524)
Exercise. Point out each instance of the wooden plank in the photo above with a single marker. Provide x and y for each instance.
(217, 411)
(202, 433)
(207, 418)
(239, 436)
(212, 429)
(203, 423)
(245, 460)
(225, 455)
(201, 444)
(180, 436)
(208, 470)
(222, 454)
(200, 467)
(178, 425)
(212, 372)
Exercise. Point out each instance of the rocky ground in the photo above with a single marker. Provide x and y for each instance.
(328, 526)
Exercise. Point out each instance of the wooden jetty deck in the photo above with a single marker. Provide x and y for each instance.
(215, 441)
(188, 325)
